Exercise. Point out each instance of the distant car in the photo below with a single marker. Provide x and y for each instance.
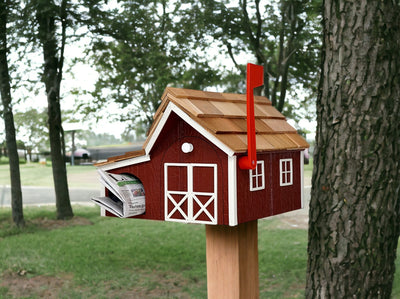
(306, 156)
(82, 153)
(81, 156)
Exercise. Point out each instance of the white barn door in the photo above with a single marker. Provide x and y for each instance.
(190, 192)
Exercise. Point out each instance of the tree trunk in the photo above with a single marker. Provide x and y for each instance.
(16, 193)
(354, 209)
(52, 79)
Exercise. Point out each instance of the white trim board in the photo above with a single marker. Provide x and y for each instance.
(171, 107)
(123, 163)
(302, 178)
(232, 191)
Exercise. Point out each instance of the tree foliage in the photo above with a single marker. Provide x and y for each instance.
(283, 36)
(31, 126)
(139, 48)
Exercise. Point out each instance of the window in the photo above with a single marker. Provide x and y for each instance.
(257, 179)
(286, 172)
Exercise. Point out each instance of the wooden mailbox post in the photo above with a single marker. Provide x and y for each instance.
(208, 160)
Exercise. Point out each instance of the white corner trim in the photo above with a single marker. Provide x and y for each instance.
(158, 129)
(232, 191)
(302, 178)
(124, 163)
(172, 107)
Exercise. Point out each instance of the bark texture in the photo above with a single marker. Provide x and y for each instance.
(16, 193)
(354, 209)
(45, 14)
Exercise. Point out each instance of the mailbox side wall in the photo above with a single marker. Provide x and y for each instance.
(286, 198)
(167, 149)
(273, 199)
(149, 174)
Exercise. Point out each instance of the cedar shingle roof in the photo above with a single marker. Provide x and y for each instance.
(224, 116)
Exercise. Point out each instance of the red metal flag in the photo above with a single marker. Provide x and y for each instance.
(255, 78)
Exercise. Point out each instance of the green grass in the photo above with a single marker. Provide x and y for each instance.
(100, 257)
(35, 174)
(115, 257)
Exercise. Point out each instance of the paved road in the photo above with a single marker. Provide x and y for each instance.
(307, 197)
(46, 195)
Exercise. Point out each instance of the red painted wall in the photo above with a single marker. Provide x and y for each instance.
(167, 149)
(286, 198)
(274, 199)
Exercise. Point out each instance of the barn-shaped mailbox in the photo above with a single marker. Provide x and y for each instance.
(189, 163)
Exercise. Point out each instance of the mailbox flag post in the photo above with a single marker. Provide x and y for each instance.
(255, 78)
(232, 261)
(232, 252)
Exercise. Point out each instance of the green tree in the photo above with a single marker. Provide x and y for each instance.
(7, 114)
(139, 48)
(51, 33)
(31, 126)
(283, 36)
(355, 198)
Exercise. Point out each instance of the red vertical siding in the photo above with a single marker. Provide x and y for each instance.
(274, 199)
(167, 149)
(204, 152)
(286, 198)
(254, 204)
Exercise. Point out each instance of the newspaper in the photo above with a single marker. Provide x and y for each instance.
(126, 196)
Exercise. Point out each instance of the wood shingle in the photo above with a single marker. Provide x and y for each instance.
(224, 116)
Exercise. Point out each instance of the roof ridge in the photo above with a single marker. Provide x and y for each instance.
(193, 94)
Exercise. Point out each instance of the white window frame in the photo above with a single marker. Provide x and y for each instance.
(285, 168)
(254, 175)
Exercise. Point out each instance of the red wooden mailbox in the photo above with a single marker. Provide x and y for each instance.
(220, 159)
(189, 164)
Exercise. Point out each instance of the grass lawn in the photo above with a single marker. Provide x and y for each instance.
(97, 257)
(101, 257)
(35, 174)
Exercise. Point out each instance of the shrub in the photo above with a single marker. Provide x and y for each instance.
(4, 160)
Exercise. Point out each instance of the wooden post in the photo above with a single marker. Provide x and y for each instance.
(232, 261)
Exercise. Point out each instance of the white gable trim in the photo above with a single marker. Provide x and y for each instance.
(302, 178)
(232, 191)
(171, 107)
(124, 163)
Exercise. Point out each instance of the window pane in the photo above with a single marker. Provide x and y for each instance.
(257, 177)
(260, 181)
